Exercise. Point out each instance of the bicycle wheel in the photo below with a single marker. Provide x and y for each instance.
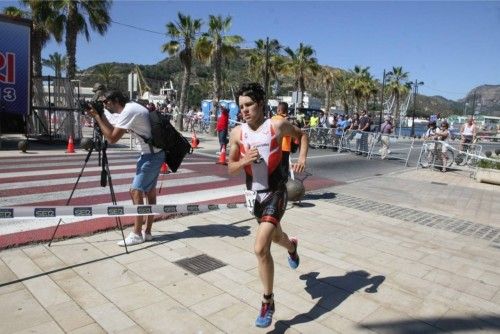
(461, 159)
(426, 158)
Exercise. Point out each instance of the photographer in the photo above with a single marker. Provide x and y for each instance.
(133, 117)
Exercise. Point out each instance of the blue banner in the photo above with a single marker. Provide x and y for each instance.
(15, 66)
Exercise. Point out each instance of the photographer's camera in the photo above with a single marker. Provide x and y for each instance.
(85, 106)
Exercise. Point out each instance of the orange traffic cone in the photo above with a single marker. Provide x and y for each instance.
(222, 156)
(194, 140)
(164, 168)
(71, 145)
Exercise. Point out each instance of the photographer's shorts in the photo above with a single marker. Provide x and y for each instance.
(272, 208)
(148, 169)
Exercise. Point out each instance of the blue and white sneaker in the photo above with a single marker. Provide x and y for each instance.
(265, 317)
(293, 258)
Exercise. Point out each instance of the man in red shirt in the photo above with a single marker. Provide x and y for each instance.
(222, 126)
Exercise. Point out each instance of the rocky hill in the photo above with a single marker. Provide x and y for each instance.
(484, 99)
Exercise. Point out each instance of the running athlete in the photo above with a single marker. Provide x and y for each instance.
(255, 148)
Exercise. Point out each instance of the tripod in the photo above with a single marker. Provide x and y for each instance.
(100, 145)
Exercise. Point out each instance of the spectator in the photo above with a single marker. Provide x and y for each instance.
(323, 120)
(222, 127)
(468, 133)
(286, 142)
(314, 121)
(300, 118)
(364, 127)
(431, 131)
(442, 135)
(342, 125)
(385, 131)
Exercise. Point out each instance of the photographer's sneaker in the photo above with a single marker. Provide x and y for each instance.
(293, 258)
(132, 239)
(147, 236)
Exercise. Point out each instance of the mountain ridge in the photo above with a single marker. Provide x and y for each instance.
(483, 99)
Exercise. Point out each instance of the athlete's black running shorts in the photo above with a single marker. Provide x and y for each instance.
(272, 208)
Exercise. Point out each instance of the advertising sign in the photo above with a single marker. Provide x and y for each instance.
(15, 65)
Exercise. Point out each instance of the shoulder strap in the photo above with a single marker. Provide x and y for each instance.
(146, 140)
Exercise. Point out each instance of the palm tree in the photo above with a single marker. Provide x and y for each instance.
(43, 26)
(74, 15)
(343, 90)
(396, 83)
(370, 89)
(257, 60)
(183, 33)
(213, 47)
(359, 84)
(106, 74)
(329, 76)
(56, 62)
(301, 64)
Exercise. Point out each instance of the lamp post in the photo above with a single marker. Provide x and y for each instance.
(381, 104)
(415, 92)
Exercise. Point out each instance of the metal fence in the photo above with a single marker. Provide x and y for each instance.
(55, 109)
(450, 155)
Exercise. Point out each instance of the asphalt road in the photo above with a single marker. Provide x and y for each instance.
(348, 167)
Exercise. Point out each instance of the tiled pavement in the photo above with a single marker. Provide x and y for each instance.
(411, 252)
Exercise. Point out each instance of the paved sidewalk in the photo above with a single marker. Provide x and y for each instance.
(412, 252)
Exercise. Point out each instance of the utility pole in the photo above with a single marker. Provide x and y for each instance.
(473, 103)
(415, 92)
(381, 104)
(266, 76)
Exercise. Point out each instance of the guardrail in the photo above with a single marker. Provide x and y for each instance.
(447, 155)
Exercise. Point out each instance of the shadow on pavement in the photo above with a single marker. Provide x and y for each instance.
(200, 231)
(436, 325)
(211, 230)
(331, 291)
(316, 196)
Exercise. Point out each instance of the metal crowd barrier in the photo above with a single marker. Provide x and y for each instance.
(439, 154)
(388, 146)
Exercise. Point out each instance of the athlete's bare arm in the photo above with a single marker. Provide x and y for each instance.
(236, 164)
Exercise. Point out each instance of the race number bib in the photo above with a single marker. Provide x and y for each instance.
(250, 196)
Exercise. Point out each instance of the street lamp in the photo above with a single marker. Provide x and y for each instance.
(381, 104)
(415, 92)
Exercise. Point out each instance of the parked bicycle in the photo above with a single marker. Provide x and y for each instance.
(468, 157)
(431, 155)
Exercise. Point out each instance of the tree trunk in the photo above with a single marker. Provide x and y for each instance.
(37, 58)
(328, 96)
(71, 36)
(217, 86)
(184, 94)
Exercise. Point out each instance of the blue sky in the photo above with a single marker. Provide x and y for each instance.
(451, 46)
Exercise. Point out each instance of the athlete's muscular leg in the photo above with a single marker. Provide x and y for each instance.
(281, 238)
(262, 250)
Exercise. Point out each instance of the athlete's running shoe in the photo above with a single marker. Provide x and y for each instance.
(265, 317)
(293, 258)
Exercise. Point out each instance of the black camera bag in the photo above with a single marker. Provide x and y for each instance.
(166, 137)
